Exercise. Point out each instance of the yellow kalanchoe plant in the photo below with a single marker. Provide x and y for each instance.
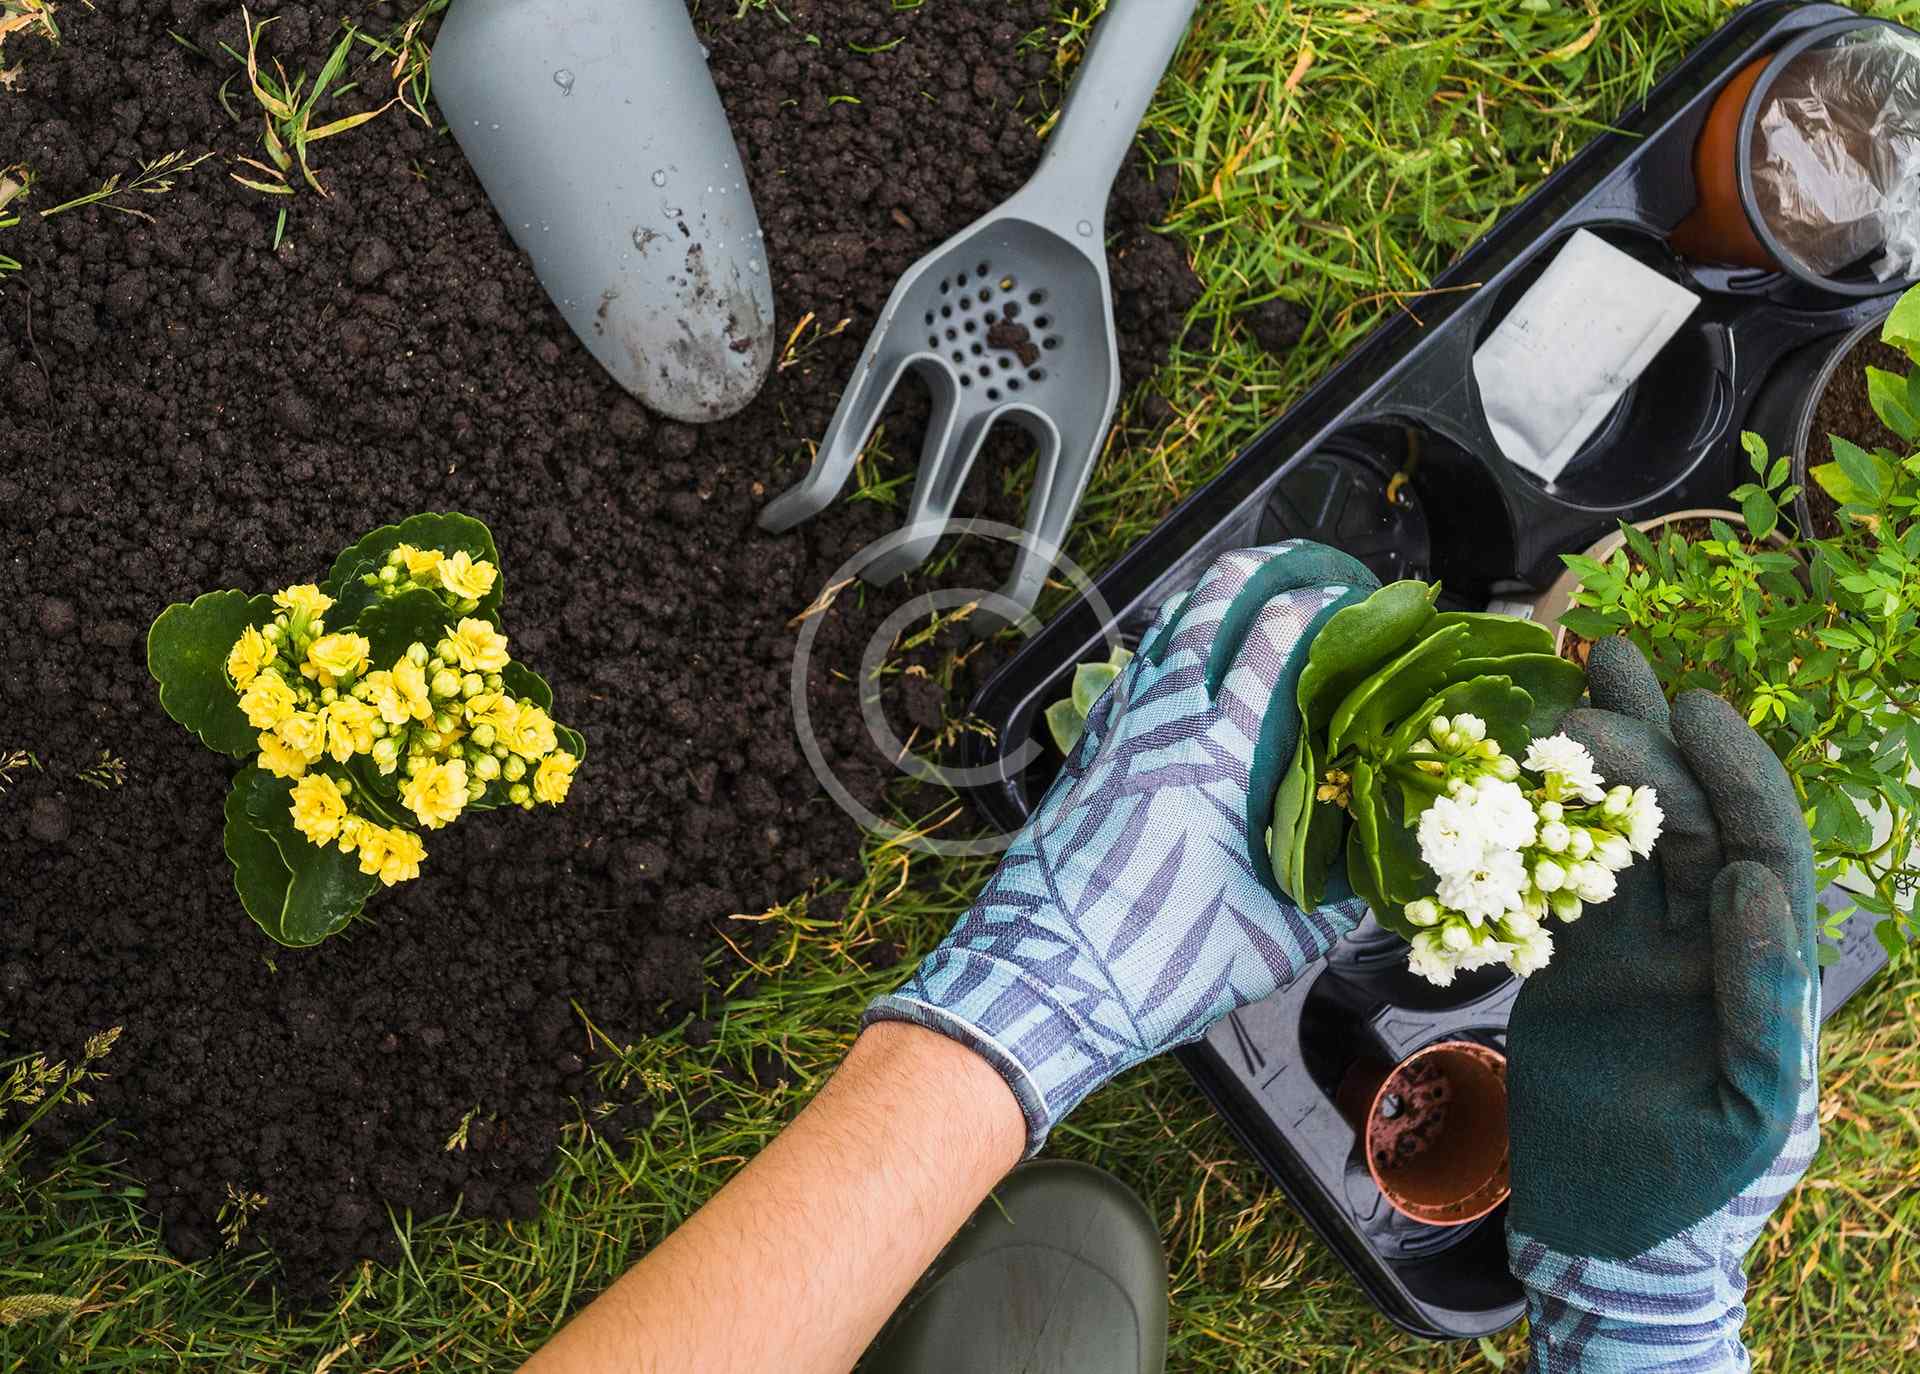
(377, 704)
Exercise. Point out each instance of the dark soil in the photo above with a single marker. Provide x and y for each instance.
(1845, 409)
(1411, 1115)
(187, 408)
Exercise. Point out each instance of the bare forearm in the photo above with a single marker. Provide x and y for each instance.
(798, 1261)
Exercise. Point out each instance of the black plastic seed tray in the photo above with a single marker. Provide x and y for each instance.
(1405, 402)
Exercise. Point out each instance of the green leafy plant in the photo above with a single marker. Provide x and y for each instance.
(371, 706)
(1415, 728)
(1816, 640)
(1067, 718)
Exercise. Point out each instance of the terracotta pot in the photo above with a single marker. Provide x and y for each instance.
(1719, 230)
(1455, 1171)
(1555, 601)
(1726, 225)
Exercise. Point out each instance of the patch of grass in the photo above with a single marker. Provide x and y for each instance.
(1331, 152)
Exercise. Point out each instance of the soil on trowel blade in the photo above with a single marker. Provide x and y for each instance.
(187, 407)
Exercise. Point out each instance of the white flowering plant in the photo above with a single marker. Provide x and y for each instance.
(1429, 764)
(369, 708)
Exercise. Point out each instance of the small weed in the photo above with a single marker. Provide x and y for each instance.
(238, 1211)
(11, 767)
(458, 1140)
(108, 773)
(290, 104)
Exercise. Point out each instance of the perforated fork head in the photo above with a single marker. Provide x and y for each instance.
(1007, 321)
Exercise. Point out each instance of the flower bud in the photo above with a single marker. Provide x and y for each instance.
(447, 651)
(1439, 728)
(1549, 876)
(417, 655)
(483, 734)
(432, 741)
(1520, 921)
(1565, 904)
(329, 695)
(1505, 769)
(1580, 842)
(385, 753)
(377, 728)
(389, 575)
(1456, 937)
(395, 558)
(1554, 835)
(1489, 749)
(472, 685)
(486, 767)
(1472, 727)
(1613, 852)
(274, 633)
(1591, 882)
(1424, 912)
(446, 683)
(495, 682)
(476, 790)
(520, 795)
(1552, 811)
(466, 606)
(446, 722)
(515, 768)
(415, 762)
(1618, 800)
(345, 785)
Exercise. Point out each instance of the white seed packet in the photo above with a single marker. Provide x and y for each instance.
(1555, 366)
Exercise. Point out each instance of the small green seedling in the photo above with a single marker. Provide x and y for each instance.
(1067, 719)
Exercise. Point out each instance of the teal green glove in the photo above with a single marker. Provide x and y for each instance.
(1661, 1068)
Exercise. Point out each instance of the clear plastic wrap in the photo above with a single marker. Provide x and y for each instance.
(1836, 155)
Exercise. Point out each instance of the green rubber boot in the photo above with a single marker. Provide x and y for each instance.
(1059, 1272)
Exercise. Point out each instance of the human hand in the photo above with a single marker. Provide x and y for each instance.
(1661, 1069)
(1138, 905)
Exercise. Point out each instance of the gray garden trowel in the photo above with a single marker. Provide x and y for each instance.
(1012, 319)
(596, 130)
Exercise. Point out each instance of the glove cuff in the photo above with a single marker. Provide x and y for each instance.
(1671, 1308)
(1034, 1041)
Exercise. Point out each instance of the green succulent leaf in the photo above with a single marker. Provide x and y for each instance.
(1504, 707)
(314, 892)
(1357, 640)
(450, 532)
(416, 616)
(1089, 681)
(1389, 851)
(1371, 709)
(1555, 685)
(187, 652)
(1065, 724)
(1495, 636)
(1289, 815)
(526, 685)
(572, 741)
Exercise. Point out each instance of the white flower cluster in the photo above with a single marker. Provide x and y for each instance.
(1512, 843)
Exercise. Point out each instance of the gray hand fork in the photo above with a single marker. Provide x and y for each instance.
(1011, 319)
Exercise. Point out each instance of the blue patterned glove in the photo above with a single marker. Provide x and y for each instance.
(1138, 906)
(1663, 1095)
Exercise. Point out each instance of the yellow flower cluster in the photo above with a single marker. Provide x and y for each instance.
(320, 812)
(459, 574)
(443, 719)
